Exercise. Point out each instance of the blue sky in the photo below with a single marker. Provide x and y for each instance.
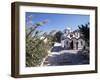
(56, 21)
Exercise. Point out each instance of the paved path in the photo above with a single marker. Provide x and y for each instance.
(59, 56)
(65, 57)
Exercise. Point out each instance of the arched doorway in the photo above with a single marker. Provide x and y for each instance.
(71, 45)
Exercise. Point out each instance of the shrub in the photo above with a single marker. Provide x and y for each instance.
(36, 49)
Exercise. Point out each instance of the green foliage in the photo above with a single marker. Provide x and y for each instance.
(58, 36)
(84, 29)
(36, 49)
(51, 41)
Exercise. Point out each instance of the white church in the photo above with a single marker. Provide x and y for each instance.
(72, 40)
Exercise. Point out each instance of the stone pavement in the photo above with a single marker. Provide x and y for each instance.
(65, 57)
(60, 56)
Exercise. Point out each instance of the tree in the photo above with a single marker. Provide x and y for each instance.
(84, 30)
(36, 49)
(58, 36)
(51, 39)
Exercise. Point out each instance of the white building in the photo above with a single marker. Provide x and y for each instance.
(72, 39)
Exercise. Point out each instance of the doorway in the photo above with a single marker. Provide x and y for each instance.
(71, 45)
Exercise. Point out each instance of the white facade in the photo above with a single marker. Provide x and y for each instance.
(72, 40)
